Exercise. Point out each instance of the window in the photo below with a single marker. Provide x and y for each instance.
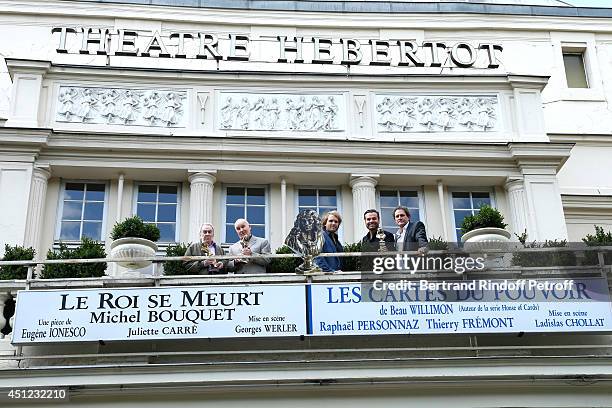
(467, 203)
(575, 71)
(158, 204)
(577, 68)
(82, 211)
(318, 199)
(390, 199)
(245, 202)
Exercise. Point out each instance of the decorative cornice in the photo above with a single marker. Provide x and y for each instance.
(24, 140)
(591, 139)
(540, 156)
(603, 202)
(242, 153)
(110, 73)
(209, 145)
(528, 81)
(27, 66)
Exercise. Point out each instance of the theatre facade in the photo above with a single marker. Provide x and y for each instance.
(183, 117)
(185, 112)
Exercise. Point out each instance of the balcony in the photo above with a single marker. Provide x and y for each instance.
(319, 358)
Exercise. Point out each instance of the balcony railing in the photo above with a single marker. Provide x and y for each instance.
(585, 263)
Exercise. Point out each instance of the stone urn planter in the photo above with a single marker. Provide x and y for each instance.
(481, 241)
(126, 248)
(484, 232)
(486, 239)
(132, 238)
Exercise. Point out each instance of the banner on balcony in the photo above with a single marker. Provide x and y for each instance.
(161, 313)
(478, 306)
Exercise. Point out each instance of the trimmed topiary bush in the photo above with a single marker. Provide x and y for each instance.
(351, 263)
(175, 268)
(284, 265)
(487, 217)
(16, 253)
(89, 249)
(135, 227)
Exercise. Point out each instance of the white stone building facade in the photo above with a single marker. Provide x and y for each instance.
(506, 125)
(193, 111)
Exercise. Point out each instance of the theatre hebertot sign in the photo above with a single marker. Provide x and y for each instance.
(420, 307)
(296, 50)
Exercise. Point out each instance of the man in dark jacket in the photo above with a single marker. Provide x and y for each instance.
(371, 242)
(206, 247)
(331, 223)
(410, 236)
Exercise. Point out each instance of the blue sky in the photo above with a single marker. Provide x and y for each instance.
(590, 3)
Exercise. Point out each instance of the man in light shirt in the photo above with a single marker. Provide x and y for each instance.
(248, 245)
(410, 236)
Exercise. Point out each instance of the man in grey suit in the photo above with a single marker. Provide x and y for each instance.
(410, 236)
(248, 245)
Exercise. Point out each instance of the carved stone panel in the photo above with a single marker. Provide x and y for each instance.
(437, 113)
(303, 113)
(121, 106)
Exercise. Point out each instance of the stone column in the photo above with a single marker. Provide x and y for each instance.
(200, 204)
(519, 213)
(36, 207)
(364, 198)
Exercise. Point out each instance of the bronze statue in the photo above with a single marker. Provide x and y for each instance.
(306, 238)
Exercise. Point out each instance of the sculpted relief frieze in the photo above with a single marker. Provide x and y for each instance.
(436, 113)
(120, 106)
(304, 113)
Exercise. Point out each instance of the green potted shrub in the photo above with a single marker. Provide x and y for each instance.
(601, 238)
(15, 253)
(132, 238)
(175, 268)
(542, 259)
(88, 249)
(437, 244)
(486, 229)
(284, 265)
(351, 263)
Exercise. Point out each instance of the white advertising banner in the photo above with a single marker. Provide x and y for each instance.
(46, 316)
(422, 307)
